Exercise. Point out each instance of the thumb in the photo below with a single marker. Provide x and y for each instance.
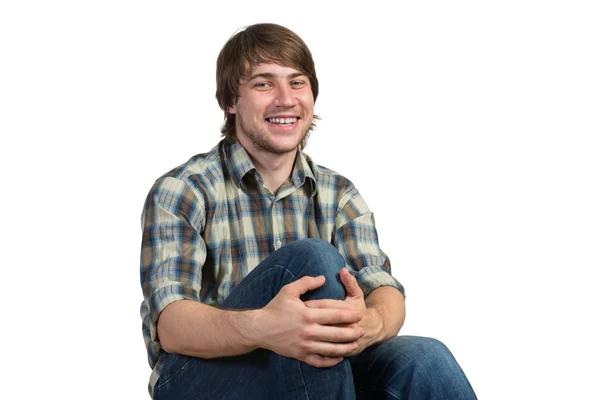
(304, 284)
(350, 283)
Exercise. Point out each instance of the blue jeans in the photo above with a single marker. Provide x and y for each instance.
(404, 367)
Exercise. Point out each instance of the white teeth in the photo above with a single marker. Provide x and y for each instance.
(283, 120)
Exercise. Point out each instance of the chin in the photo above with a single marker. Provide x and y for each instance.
(291, 144)
(281, 149)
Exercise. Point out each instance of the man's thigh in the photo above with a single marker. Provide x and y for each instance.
(238, 377)
(409, 367)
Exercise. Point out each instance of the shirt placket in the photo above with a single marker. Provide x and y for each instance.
(277, 223)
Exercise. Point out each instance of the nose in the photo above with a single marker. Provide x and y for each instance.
(284, 97)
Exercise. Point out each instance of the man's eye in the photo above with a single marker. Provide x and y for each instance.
(261, 85)
(297, 83)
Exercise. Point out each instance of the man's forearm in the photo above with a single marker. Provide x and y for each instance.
(388, 304)
(195, 329)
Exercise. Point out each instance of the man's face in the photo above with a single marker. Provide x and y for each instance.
(274, 110)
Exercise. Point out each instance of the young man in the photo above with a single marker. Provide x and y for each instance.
(261, 271)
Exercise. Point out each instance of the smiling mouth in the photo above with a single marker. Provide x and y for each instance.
(283, 121)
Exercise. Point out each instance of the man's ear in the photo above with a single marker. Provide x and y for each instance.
(232, 110)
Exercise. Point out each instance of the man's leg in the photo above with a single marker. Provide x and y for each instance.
(262, 374)
(409, 367)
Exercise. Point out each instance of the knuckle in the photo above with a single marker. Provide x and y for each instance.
(336, 352)
(285, 290)
(304, 348)
(312, 360)
(308, 317)
(306, 333)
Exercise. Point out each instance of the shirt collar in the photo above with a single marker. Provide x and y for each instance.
(237, 161)
(302, 172)
(238, 164)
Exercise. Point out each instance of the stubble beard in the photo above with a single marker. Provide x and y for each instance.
(261, 142)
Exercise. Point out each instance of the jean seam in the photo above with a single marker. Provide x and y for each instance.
(303, 380)
(290, 272)
(163, 384)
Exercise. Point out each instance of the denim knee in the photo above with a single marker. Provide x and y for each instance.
(427, 351)
(314, 257)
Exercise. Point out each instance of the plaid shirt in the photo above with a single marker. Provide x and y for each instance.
(209, 222)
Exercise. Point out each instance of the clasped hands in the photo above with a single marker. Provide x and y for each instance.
(319, 332)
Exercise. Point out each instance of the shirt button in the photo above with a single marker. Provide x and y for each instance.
(278, 244)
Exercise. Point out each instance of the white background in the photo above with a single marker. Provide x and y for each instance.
(470, 127)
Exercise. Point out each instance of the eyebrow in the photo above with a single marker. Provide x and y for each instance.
(270, 75)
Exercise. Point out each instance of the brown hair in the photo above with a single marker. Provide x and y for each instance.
(254, 45)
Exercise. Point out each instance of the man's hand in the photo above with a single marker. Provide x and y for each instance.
(371, 323)
(319, 336)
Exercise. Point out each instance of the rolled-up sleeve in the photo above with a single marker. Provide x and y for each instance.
(173, 251)
(356, 239)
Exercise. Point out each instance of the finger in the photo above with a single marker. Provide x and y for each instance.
(350, 283)
(303, 285)
(319, 361)
(328, 349)
(334, 334)
(329, 303)
(329, 316)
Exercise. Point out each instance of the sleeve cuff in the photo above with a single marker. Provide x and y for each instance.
(165, 295)
(370, 278)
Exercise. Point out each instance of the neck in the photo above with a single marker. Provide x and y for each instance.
(274, 168)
